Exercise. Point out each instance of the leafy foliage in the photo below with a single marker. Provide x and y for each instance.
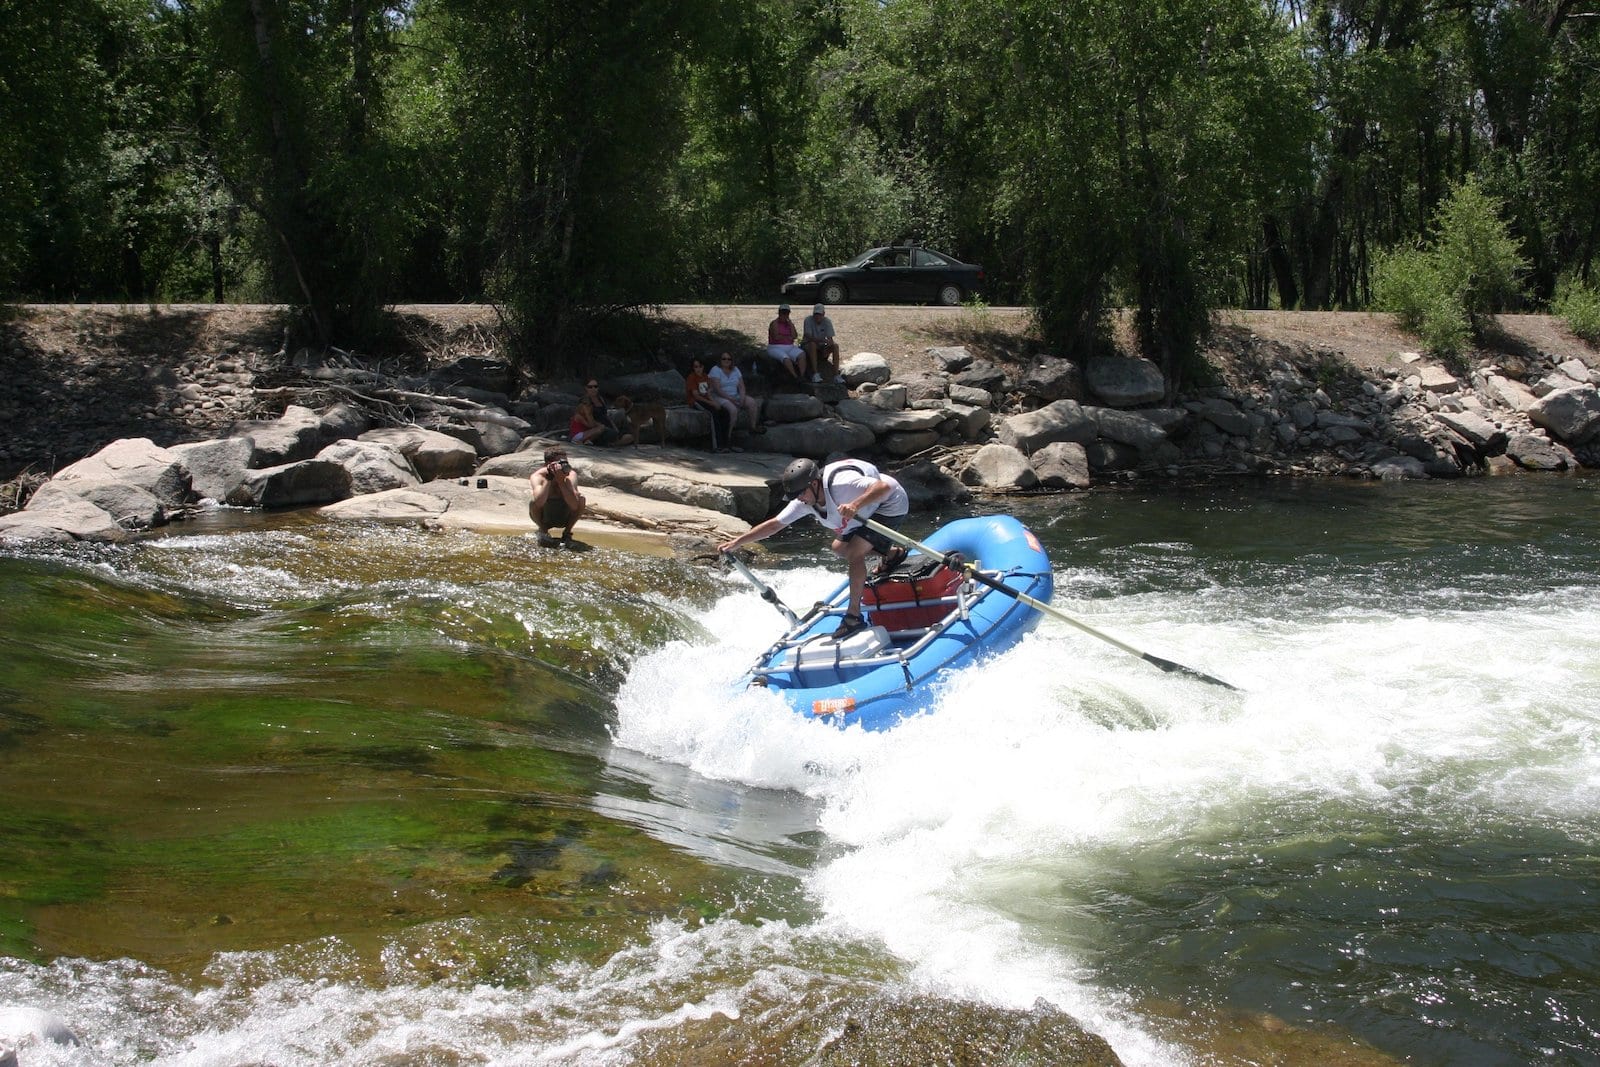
(1579, 305)
(569, 161)
(1471, 269)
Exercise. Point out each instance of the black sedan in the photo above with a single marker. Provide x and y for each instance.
(903, 273)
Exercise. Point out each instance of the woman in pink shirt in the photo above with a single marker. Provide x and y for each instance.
(781, 344)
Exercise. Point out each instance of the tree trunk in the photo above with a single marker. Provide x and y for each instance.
(282, 201)
(1282, 266)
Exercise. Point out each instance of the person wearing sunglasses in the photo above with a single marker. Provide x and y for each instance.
(727, 388)
(591, 423)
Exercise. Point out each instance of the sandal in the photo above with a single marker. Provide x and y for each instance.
(890, 561)
(850, 624)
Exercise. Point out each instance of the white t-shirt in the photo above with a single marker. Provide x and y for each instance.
(843, 482)
(726, 382)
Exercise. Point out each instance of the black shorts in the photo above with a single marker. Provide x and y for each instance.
(555, 514)
(878, 541)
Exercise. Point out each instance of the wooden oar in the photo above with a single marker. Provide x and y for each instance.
(972, 571)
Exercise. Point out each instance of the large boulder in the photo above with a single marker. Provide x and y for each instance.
(952, 359)
(696, 494)
(887, 398)
(738, 485)
(343, 421)
(901, 445)
(495, 503)
(1571, 414)
(1051, 378)
(136, 461)
(792, 407)
(66, 518)
(1124, 383)
(373, 467)
(818, 438)
(1064, 420)
(1508, 393)
(971, 395)
(1536, 452)
(1436, 379)
(930, 486)
(307, 481)
(295, 435)
(215, 467)
(882, 422)
(971, 422)
(918, 389)
(999, 467)
(1221, 413)
(1399, 468)
(1485, 437)
(1128, 428)
(432, 454)
(1063, 465)
(133, 508)
(982, 375)
(865, 368)
(1437, 455)
(489, 432)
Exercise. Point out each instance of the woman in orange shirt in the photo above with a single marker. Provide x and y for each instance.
(697, 388)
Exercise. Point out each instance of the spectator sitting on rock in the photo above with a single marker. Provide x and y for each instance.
(727, 386)
(699, 391)
(591, 423)
(821, 346)
(781, 344)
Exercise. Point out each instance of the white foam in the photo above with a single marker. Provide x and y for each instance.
(1035, 762)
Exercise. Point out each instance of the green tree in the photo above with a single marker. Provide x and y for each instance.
(1471, 268)
(53, 118)
(571, 111)
(299, 126)
(1123, 150)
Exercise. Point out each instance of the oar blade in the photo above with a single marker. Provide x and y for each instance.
(1170, 667)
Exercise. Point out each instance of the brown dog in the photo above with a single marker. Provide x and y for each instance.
(641, 414)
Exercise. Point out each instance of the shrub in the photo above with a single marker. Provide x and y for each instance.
(1579, 304)
(1411, 284)
(1471, 268)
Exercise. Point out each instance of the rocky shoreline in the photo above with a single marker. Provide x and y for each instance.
(450, 441)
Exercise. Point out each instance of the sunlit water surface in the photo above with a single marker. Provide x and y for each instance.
(281, 791)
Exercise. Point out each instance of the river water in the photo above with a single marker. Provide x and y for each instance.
(279, 791)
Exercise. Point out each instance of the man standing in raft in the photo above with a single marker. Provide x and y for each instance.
(839, 496)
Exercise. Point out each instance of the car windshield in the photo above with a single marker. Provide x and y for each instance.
(863, 257)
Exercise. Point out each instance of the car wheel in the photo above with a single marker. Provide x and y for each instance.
(949, 295)
(834, 293)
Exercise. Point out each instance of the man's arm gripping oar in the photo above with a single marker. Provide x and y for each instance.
(972, 572)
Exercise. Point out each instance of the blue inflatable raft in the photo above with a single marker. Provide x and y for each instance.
(924, 620)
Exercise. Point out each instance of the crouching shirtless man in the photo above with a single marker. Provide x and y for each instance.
(556, 500)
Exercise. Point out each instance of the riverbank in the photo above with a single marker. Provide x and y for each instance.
(970, 390)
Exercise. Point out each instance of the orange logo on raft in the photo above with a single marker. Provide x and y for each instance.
(833, 706)
(1033, 542)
